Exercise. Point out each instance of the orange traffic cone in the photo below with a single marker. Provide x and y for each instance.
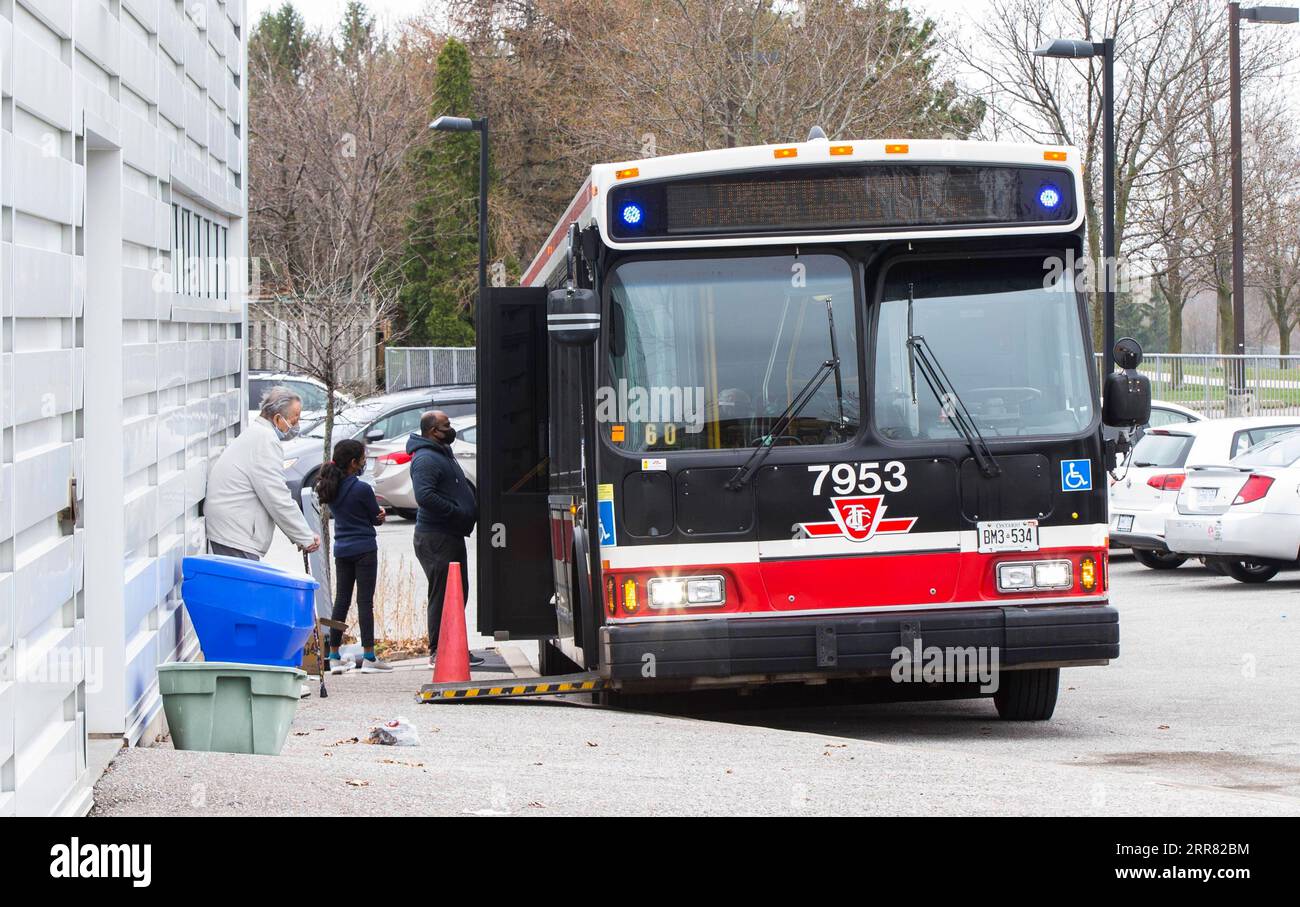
(452, 663)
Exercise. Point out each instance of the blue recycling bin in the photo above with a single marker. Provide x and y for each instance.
(248, 612)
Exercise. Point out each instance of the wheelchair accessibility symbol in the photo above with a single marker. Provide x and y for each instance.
(1076, 475)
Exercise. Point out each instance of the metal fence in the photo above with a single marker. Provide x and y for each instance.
(1218, 385)
(426, 366)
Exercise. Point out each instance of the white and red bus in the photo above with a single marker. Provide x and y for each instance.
(781, 413)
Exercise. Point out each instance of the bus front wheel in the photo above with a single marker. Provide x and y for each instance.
(1027, 695)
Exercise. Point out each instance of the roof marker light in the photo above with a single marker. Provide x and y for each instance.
(1054, 155)
(841, 149)
(896, 149)
(627, 173)
(785, 152)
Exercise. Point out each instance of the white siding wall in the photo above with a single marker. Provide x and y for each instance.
(158, 86)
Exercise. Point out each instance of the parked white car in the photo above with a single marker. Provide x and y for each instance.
(391, 470)
(1145, 494)
(1243, 517)
(312, 392)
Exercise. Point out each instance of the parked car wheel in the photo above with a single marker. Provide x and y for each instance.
(1159, 560)
(1027, 695)
(1249, 571)
(404, 513)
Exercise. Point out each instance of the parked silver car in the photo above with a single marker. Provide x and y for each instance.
(382, 422)
(391, 471)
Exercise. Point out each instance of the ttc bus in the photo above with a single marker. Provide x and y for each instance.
(792, 413)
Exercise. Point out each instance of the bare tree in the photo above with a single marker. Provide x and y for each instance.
(1171, 79)
(1273, 234)
(569, 82)
(327, 316)
(327, 158)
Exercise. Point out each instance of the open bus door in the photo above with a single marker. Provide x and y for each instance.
(515, 578)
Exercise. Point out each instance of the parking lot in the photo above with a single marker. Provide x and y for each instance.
(1198, 716)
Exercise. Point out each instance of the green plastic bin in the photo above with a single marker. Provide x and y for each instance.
(218, 706)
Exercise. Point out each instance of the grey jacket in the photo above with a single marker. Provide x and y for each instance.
(247, 497)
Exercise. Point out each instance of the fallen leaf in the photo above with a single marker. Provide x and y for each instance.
(403, 762)
(352, 782)
(592, 743)
(536, 805)
(1163, 727)
(346, 740)
(327, 754)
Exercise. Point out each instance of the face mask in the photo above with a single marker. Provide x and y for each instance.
(287, 434)
(449, 435)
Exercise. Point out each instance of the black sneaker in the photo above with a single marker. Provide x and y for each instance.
(476, 660)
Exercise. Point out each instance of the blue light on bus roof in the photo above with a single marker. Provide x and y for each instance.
(1049, 196)
(631, 214)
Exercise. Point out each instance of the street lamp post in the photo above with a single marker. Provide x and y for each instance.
(1278, 15)
(479, 125)
(1065, 48)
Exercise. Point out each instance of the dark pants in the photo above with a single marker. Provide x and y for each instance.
(361, 570)
(218, 548)
(436, 553)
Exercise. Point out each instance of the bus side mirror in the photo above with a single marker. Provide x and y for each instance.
(1126, 395)
(573, 316)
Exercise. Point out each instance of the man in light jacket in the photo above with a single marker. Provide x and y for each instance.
(247, 497)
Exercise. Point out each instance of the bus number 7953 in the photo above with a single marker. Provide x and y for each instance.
(864, 478)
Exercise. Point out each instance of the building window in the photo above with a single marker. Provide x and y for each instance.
(198, 255)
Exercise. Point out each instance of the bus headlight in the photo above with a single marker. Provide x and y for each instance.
(1020, 576)
(686, 591)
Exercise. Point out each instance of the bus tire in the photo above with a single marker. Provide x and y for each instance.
(1027, 695)
(1250, 571)
(1159, 560)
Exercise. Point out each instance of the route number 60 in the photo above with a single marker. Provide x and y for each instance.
(864, 478)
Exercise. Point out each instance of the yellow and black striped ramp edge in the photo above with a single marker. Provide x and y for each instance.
(497, 689)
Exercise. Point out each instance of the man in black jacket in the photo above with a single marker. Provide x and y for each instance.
(446, 516)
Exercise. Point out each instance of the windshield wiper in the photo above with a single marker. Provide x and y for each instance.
(791, 412)
(948, 397)
(835, 358)
(745, 472)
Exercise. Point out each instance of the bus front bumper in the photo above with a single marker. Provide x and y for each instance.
(858, 644)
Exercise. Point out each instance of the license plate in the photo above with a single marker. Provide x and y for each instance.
(1206, 495)
(1124, 523)
(1007, 535)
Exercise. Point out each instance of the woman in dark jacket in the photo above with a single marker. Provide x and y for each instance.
(356, 513)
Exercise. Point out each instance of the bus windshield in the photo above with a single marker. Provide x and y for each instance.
(1009, 339)
(707, 353)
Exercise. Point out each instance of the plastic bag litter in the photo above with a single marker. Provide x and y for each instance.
(398, 732)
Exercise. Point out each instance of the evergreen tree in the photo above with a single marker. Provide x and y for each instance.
(357, 31)
(440, 263)
(282, 37)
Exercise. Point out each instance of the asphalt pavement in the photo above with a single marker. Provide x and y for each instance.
(1200, 715)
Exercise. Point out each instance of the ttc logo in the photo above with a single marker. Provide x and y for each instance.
(859, 518)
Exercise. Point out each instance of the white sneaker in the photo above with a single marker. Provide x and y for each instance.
(305, 691)
(378, 666)
(341, 665)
